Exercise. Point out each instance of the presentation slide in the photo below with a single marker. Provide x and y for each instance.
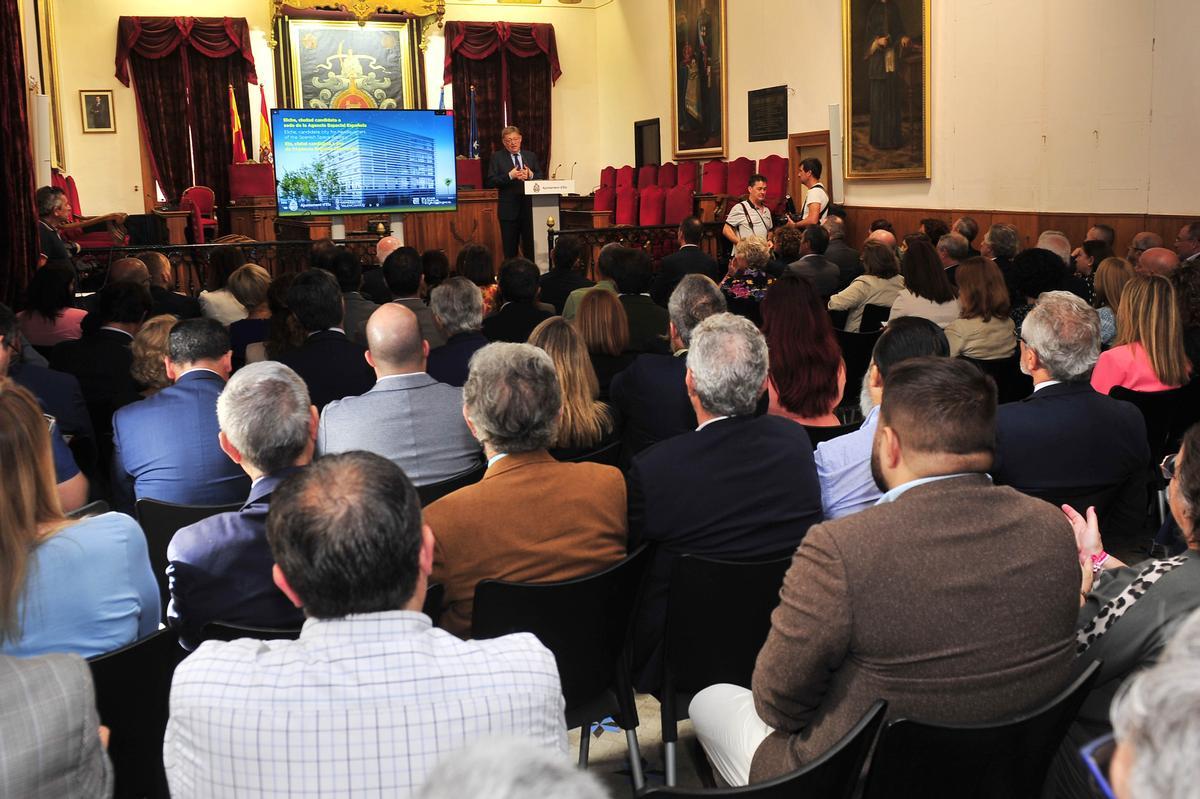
(363, 161)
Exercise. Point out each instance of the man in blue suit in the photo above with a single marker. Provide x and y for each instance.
(219, 569)
(165, 447)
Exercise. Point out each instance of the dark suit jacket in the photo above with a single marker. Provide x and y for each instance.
(823, 273)
(956, 603)
(511, 198)
(59, 393)
(557, 284)
(847, 260)
(688, 259)
(358, 311)
(514, 321)
(740, 488)
(165, 448)
(332, 366)
(101, 361)
(1067, 436)
(652, 400)
(168, 302)
(952, 274)
(448, 363)
(51, 244)
(374, 287)
(219, 569)
(647, 324)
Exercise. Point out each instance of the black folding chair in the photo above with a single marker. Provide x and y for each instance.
(856, 352)
(983, 761)
(838, 318)
(818, 434)
(160, 521)
(874, 317)
(1012, 384)
(91, 509)
(585, 622)
(133, 686)
(1168, 415)
(833, 775)
(607, 455)
(434, 491)
(713, 636)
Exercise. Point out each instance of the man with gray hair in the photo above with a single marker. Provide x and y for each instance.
(510, 768)
(1048, 444)
(839, 252)
(1001, 243)
(649, 394)
(1146, 240)
(968, 228)
(1187, 243)
(739, 487)
(531, 518)
(219, 569)
(951, 249)
(457, 307)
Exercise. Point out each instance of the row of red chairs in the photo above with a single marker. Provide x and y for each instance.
(652, 205)
(717, 177)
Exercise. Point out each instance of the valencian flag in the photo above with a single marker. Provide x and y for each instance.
(473, 147)
(264, 128)
(235, 124)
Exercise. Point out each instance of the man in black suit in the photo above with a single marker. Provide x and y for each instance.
(565, 275)
(740, 487)
(457, 307)
(519, 314)
(647, 321)
(824, 274)
(332, 365)
(1065, 441)
(166, 300)
(839, 252)
(54, 211)
(952, 248)
(687, 260)
(1001, 243)
(507, 172)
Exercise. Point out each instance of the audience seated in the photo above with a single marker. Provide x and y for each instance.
(813, 265)
(1140, 243)
(457, 308)
(840, 253)
(283, 332)
(880, 285)
(1034, 271)
(739, 487)
(1157, 261)
(952, 249)
(375, 287)
(518, 313)
(745, 283)
(983, 329)
(586, 423)
(934, 229)
(605, 264)
(150, 348)
(950, 653)
(807, 375)
(968, 228)
(1087, 258)
(406, 282)
(165, 447)
(407, 417)
(250, 285)
(1187, 289)
(507, 768)
(331, 364)
(785, 242)
(435, 268)
(57, 392)
(49, 316)
(1110, 278)
(384, 696)
(531, 519)
(688, 259)
(162, 288)
(647, 320)
(216, 301)
(650, 396)
(476, 265)
(54, 211)
(565, 274)
(1149, 354)
(219, 568)
(927, 291)
(604, 328)
(844, 463)
(53, 744)
(347, 269)
(1065, 435)
(69, 586)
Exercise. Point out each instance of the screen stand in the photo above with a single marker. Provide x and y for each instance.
(397, 224)
(337, 227)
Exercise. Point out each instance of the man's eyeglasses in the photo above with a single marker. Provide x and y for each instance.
(1167, 467)
(1097, 756)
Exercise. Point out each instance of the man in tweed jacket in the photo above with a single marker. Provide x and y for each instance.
(952, 599)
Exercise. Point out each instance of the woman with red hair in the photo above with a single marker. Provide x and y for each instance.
(807, 374)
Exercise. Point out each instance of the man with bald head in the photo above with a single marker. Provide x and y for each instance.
(1158, 261)
(166, 299)
(407, 417)
(886, 236)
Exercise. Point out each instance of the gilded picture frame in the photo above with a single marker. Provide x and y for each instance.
(344, 64)
(886, 48)
(699, 78)
(96, 111)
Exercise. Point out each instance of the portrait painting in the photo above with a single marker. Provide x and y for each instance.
(336, 64)
(886, 70)
(698, 78)
(96, 107)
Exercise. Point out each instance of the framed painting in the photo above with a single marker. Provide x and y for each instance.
(886, 52)
(333, 64)
(96, 108)
(699, 93)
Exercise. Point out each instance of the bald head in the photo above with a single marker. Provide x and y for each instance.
(885, 236)
(385, 247)
(1158, 261)
(159, 266)
(394, 342)
(129, 270)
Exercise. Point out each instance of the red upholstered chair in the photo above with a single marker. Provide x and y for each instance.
(685, 174)
(679, 206)
(201, 201)
(714, 178)
(102, 239)
(608, 177)
(625, 177)
(647, 176)
(627, 206)
(740, 170)
(468, 172)
(775, 169)
(605, 199)
(667, 175)
(651, 201)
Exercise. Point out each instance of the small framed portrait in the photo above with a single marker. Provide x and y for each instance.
(96, 106)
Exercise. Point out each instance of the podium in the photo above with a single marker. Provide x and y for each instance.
(545, 194)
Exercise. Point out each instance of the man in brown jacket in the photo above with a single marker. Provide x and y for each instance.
(531, 519)
(952, 599)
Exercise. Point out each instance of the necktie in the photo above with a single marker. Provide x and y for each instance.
(517, 160)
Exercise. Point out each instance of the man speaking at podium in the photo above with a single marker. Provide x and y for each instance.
(508, 171)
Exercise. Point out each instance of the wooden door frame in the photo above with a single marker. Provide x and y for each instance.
(796, 141)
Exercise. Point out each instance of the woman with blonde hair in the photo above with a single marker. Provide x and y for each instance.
(746, 282)
(149, 349)
(1149, 354)
(879, 286)
(249, 285)
(1111, 277)
(983, 330)
(65, 586)
(586, 423)
(604, 326)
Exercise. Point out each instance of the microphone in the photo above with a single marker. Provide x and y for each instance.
(554, 172)
(573, 171)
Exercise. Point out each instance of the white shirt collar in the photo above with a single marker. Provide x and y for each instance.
(336, 329)
(1044, 384)
(118, 330)
(199, 369)
(710, 421)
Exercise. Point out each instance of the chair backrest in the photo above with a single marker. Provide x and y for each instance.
(1168, 414)
(873, 318)
(839, 318)
(435, 596)
(685, 174)
(220, 631)
(73, 195)
(1011, 383)
(738, 175)
(469, 172)
(434, 491)
(584, 622)
(981, 761)
(713, 181)
(679, 206)
(133, 687)
(775, 169)
(201, 198)
(91, 509)
(608, 455)
(818, 434)
(647, 175)
(626, 178)
(605, 199)
(627, 206)
(608, 177)
(160, 521)
(650, 205)
(668, 174)
(856, 352)
(833, 775)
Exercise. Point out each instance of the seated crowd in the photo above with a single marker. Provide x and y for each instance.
(373, 432)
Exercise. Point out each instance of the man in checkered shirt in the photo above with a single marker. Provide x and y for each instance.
(371, 696)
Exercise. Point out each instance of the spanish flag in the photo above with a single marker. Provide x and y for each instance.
(265, 151)
(235, 124)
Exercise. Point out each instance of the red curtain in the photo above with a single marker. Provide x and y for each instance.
(212, 142)
(19, 248)
(484, 75)
(157, 37)
(162, 114)
(520, 82)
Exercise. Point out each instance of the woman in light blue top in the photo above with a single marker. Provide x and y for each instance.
(65, 586)
(1111, 277)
